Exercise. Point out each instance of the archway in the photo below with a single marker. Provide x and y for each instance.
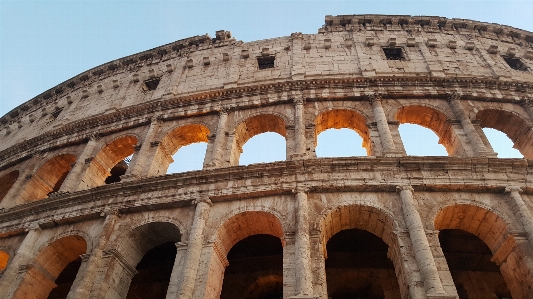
(434, 120)
(357, 240)
(254, 126)
(6, 182)
(175, 140)
(54, 270)
(48, 178)
(4, 259)
(476, 224)
(111, 156)
(516, 128)
(253, 244)
(151, 250)
(343, 119)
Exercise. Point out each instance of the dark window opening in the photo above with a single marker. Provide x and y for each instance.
(56, 113)
(151, 84)
(515, 63)
(265, 62)
(393, 53)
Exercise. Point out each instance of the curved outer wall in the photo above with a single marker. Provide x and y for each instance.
(452, 76)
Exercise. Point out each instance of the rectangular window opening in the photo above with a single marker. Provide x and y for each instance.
(515, 63)
(266, 62)
(393, 53)
(151, 84)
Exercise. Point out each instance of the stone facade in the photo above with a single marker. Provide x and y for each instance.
(383, 226)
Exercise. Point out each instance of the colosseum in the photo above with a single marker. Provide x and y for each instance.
(88, 210)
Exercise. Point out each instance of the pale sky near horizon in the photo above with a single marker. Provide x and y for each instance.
(43, 43)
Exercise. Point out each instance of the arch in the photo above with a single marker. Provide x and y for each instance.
(48, 178)
(7, 181)
(513, 125)
(344, 118)
(173, 141)
(494, 231)
(253, 126)
(110, 155)
(4, 260)
(39, 279)
(382, 271)
(435, 120)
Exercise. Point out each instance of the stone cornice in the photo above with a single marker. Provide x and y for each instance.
(207, 102)
(446, 174)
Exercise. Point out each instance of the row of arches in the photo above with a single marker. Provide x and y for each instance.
(363, 256)
(111, 161)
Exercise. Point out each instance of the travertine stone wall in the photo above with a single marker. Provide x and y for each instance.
(451, 76)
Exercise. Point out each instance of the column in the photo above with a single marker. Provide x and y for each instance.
(299, 128)
(469, 129)
(519, 207)
(220, 137)
(387, 143)
(423, 255)
(10, 280)
(72, 181)
(304, 277)
(527, 104)
(87, 274)
(173, 285)
(194, 250)
(144, 155)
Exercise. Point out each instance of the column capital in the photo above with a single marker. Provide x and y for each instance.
(156, 119)
(223, 110)
(510, 189)
(452, 95)
(401, 188)
(527, 102)
(93, 137)
(374, 97)
(299, 100)
(301, 189)
(203, 199)
(85, 257)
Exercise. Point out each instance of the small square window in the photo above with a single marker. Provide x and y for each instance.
(56, 113)
(393, 53)
(266, 62)
(151, 84)
(515, 63)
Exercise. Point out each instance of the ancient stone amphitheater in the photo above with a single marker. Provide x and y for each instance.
(79, 220)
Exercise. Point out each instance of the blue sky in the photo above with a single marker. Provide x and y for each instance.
(43, 43)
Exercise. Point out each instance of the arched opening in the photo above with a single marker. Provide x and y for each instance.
(109, 164)
(357, 265)
(252, 243)
(475, 225)
(255, 269)
(516, 129)
(54, 270)
(431, 119)
(469, 261)
(4, 259)
(501, 144)
(263, 148)
(341, 120)
(154, 270)
(254, 126)
(150, 249)
(6, 182)
(169, 158)
(48, 178)
(420, 141)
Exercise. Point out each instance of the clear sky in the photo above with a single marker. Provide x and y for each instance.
(43, 43)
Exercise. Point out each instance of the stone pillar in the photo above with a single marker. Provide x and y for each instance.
(299, 129)
(92, 262)
(144, 154)
(173, 285)
(469, 129)
(423, 255)
(10, 199)
(527, 104)
(12, 277)
(304, 277)
(387, 143)
(519, 208)
(73, 179)
(375, 142)
(194, 249)
(220, 138)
